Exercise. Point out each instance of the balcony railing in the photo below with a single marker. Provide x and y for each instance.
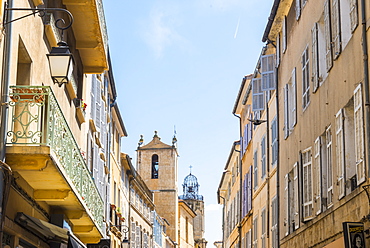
(36, 120)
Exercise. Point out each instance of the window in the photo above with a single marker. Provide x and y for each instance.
(359, 135)
(340, 152)
(274, 142)
(263, 157)
(291, 200)
(290, 105)
(305, 79)
(258, 95)
(327, 22)
(267, 72)
(307, 185)
(255, 170)
(263, 227)
(138, 237)
(133, 234)
(274, 223)
(332, 31)
(155, 166)
(255, 231)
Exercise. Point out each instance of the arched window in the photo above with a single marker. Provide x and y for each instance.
(155, 166)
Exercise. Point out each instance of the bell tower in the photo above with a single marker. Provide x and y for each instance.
(157, 166)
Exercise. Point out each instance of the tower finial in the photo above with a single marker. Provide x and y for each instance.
(190, 168)
(174, 140)
(141, 140)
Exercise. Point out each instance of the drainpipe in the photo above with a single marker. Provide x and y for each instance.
(6, 173)
(240, 181)
(366, 81)
(277, 160)
(223, 220)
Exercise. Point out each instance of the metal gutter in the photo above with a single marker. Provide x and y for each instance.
(270, 20)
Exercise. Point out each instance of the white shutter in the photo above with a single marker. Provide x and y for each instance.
(359, 135)
(293, 101)
(296, 196)
(340, 152)
(329, 56)
(329, 165)
(133, 234)
(297, 9)
(138, 237)
(287, 202)
(98, 105)
(307, 185)
(93, 96)
(258, 95)
(278, 50)
(284, 41)
(318, 175)
(335, 28)
(286, 111)
(353, 15)
(315, 57)
(267, 72)
(249, 185)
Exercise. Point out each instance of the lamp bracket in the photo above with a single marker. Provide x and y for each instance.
(42, 12)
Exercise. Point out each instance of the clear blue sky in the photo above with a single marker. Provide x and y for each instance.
(180, 64)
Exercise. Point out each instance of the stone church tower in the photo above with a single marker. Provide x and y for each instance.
(157, 166)
(195, 201)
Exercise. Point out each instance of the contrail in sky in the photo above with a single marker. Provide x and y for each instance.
(237, 28)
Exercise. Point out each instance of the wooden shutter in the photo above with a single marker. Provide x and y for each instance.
(359, 135)
(267, 72)
(329, 165)
(335, 21)
(278, 50)
(353, 15)
(133, 234)
(307, 185)
(249, 185)
(255, 170)
(286, 111)
(293, 101)
(257, 95)
(93, 96)
(318, 175)
(287, 205)
(340, 153)
(297, 9)
(296, 196)
(284, 38)
(327, 22)
(98, 105)
(315, 57)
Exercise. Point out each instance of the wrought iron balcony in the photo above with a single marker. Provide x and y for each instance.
(37, 122)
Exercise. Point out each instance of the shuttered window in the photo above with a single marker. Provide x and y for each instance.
(339, 133)
(317, 175)
(305, 79)
(295, 197)
(327, 23)
(354, 15)
(284, 35)
(263, 228)
(297, 9)
(307, 185)
(359, 135)
(315, 58)
(133, 234)
(336, 35)
(257, 95)
(267, 72)
(278, 50)
(274, 142)
(329, 166)
(274, 224)
(255, 170)
(293, 100)
(255, 231)
(263, 157)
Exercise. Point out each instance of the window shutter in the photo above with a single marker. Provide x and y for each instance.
(335, 21)
(98, 105)
(297, 9)
(93, 96)
(296, 196)
(267, 72)
(286, 111)
(329, 164)
(359, 135)
(307, 185)
(278, 50)
(305, 79)
(315, 57)
(293, 100)
(133, 234)
(258, 95)
(340, 152)
(249, 185)
(263, 157)
(284, 40)
(318, 175)
(138, 237)
(353, 15)
(287, 203)
(274, 143)
(255, 170)
(329, 56)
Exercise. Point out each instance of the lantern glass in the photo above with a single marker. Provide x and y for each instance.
(61, 64)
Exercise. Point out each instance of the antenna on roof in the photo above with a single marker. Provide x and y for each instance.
(174, 140)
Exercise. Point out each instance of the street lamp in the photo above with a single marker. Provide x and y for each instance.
(125, 242)
(60, 63)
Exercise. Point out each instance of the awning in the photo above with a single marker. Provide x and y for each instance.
(41, 228)
(47, 231)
